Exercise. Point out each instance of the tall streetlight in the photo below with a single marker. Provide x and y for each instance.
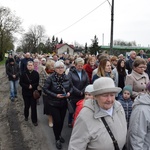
(112, 25)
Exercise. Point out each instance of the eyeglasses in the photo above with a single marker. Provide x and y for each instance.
(59, 67)
(142, 67)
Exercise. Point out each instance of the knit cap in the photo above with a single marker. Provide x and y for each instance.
(148, 86)
(89, 88)
(128, 88)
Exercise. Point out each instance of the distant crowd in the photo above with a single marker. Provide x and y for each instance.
(109, 96)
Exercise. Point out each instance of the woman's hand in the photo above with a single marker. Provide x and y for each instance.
(60, 96)
(68, 94)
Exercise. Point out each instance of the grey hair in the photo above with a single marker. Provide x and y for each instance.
(58, 64)
(79, 60)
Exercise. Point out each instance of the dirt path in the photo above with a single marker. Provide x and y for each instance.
(15, 133)
(18, 134)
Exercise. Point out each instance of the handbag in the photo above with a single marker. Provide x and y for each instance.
(70, 107)
(111, 134)
(36, 93)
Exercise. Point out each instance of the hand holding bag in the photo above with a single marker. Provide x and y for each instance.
(36, 93)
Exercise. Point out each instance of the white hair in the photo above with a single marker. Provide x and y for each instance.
(79, 60)
(59, 63)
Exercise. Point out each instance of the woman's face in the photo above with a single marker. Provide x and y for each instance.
(92, 62)
(105, 101)
(140, 69)
(60, 70)
(79, 66)
(88, 96)
(30, 66)
(108, 67)
(122, 64)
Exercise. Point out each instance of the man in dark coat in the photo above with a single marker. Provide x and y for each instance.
(29, 82)
(23, 63)
(130, 61)
(12, 71)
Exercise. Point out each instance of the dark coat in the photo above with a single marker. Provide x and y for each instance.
(24, 82)
(12, 70)
(78, 85)
(129, 65)
(50, 88)
(127, 106)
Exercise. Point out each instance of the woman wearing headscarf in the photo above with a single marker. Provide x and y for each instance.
(54, 88)
(101, 124)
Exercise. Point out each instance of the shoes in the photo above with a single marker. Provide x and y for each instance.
(58, 144)
(12, 99)
(70, 125)
(62, 140)
(26, 119)
(50, 124)
(35, 124)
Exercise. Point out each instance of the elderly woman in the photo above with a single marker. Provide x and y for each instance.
(138, 78)
(101, 121)
(54, 88)
(45, 72)
(80, 80)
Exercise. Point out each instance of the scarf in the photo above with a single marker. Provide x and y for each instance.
(49, 71)
(59, 80)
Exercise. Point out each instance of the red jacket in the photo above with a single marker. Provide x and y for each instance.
(79, 106)
(89, 71)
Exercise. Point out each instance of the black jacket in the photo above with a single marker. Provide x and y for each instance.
(25, 82)
(78, 85)
(129, 65)
(50, 88)
(12, 70)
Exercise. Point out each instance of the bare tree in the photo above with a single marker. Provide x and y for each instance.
(31, 40)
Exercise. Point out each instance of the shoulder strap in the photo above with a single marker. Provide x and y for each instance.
(28, 78)
(111, 134)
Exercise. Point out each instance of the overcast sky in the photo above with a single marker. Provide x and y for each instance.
(131, 19)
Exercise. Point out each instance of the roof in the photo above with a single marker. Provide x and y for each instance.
(125, 47)
(61, 45)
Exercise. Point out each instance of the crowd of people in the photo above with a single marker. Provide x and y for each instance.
(110, 96)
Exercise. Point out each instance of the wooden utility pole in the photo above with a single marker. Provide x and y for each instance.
(112, 26)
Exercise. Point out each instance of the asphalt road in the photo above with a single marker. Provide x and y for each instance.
(48, 132)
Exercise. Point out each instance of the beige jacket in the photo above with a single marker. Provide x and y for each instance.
(89, 132)
(138, 82)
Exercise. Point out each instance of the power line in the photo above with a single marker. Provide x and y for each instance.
(81, 18)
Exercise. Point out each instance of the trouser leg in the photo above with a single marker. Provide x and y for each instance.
(33, 110)
(27, 105)
(58, 115)
(11, 83)
(70, 116)
(15, 88)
